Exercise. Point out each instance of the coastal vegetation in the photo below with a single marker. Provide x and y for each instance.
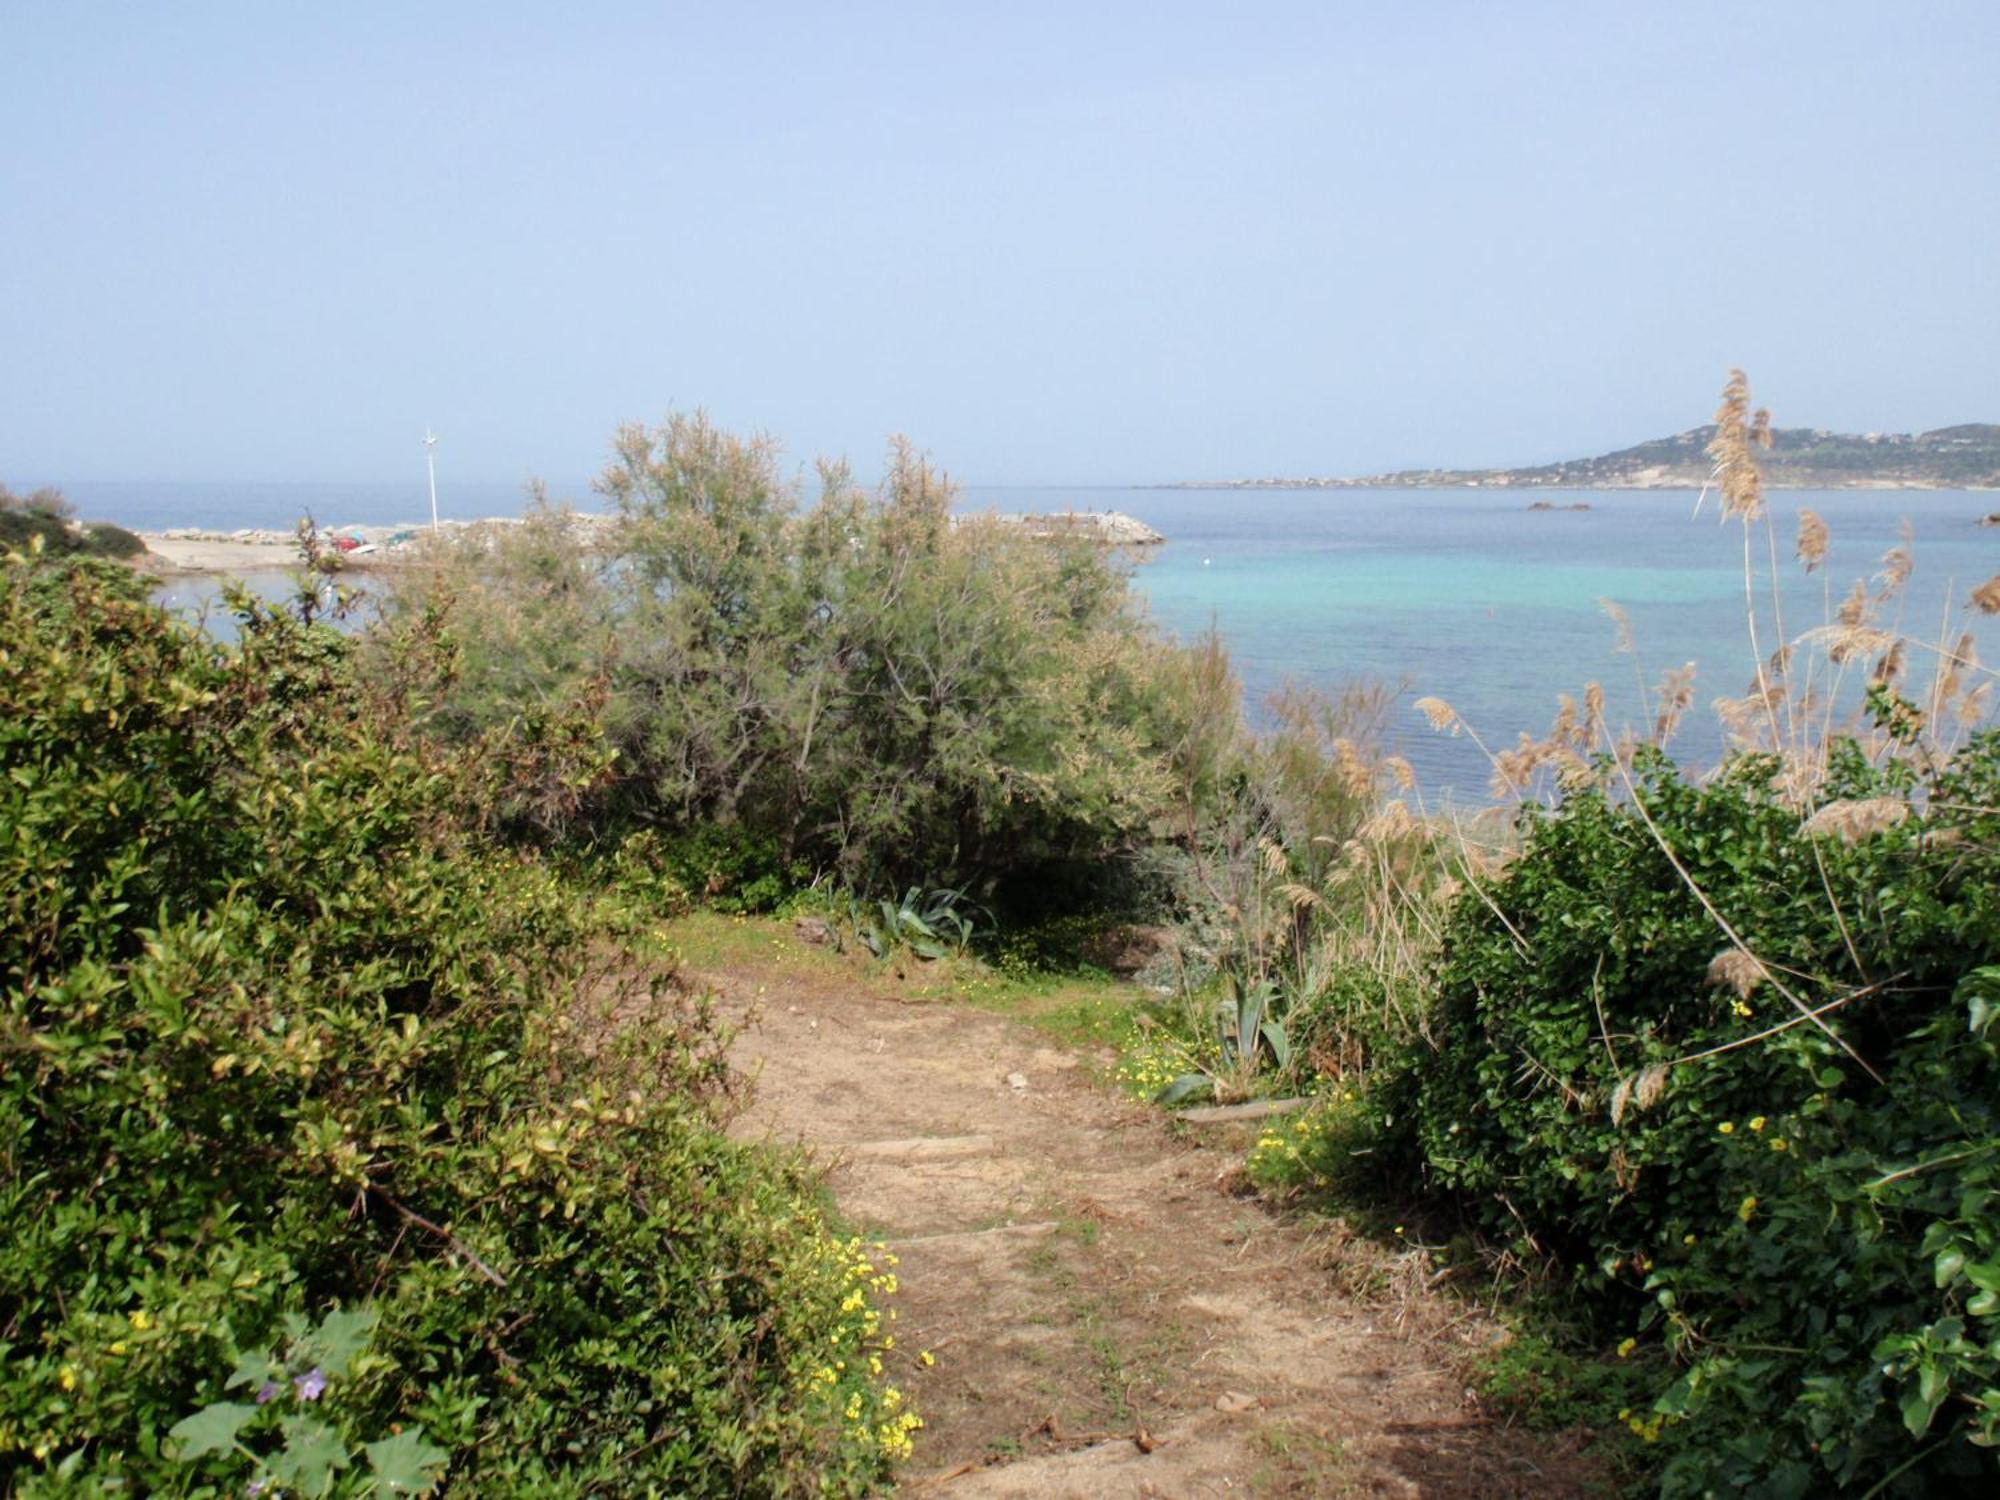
(348, 1066)
(44, 516)
(1966, 456)
(343, 1142)
(855, 688)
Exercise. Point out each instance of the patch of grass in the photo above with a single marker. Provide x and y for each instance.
(1538, 1382)
(1112, 1381)
(1297, 1455)
(1075, 1227)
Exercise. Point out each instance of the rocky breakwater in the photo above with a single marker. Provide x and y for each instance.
(1111, 527)
(190, 549)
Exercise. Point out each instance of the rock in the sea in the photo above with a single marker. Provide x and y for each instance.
(1113, 528)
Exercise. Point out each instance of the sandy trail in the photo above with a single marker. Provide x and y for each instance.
(1107, 1320)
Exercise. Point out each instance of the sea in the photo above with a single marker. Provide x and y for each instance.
(1467, 595)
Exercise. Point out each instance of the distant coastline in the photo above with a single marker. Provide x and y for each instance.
(1965, 457)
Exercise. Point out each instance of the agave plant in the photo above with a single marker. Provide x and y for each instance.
(931, 924)
(1248, 1035)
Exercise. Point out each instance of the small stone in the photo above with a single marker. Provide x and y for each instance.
(1235, 1402)
(1017, 1082)
(813, 931)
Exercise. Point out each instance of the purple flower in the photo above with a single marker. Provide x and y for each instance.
(310, 1384)
(254, 1487)
(267, 1392)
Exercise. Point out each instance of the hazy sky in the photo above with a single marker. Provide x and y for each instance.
(1072, 242)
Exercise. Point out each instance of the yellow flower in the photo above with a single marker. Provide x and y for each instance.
(1745, 1209)
(142, 1320)
(1779, 1145)
(1725, 1128)
(927, 1358)
(68, 1377)
(1758, 1123)
(1627, 1347)
(1690, 1239)
(118, 1346)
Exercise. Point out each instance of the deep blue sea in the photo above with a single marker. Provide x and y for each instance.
(1462, 594)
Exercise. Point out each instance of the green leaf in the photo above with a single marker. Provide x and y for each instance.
(341, 1335)
(312, 1452)
(1280, 1044)
(1918, 1411)
(213, 1429)
(406, 1464)
(1182, 1089)
(251, 1369)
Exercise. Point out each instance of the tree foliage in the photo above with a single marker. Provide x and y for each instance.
(881, 690)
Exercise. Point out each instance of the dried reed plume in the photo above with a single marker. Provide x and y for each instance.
(1626, 645)
(1643, 1089)
(1442, 715)
(1854, 608)
(1813, 536)
(1735, 431)
(1897, 563)
(1392, 822)
(1357, 776)
(1986, 598)
(1854, 820)
(1673, 694)
(1734, 969)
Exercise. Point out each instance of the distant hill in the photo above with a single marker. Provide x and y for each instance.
(1966, 457)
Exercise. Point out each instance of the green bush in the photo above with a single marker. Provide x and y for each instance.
(732, 868)
(45, 517)
(862, 687)
(1809, 1220)
(288, 1034)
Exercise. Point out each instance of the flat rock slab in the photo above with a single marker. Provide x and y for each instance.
(1256, 1109)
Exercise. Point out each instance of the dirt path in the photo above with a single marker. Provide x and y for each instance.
(1106, 1319)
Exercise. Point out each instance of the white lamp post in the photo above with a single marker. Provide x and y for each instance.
(430, 462)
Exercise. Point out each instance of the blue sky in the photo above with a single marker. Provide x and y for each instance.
(1053, 243)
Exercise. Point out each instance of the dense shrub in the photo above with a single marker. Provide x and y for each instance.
(45, 519)
(861, 685)
(286, 1033)
(1808, 1221)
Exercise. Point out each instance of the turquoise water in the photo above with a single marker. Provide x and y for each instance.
(1470, 596)
(1462, 594)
